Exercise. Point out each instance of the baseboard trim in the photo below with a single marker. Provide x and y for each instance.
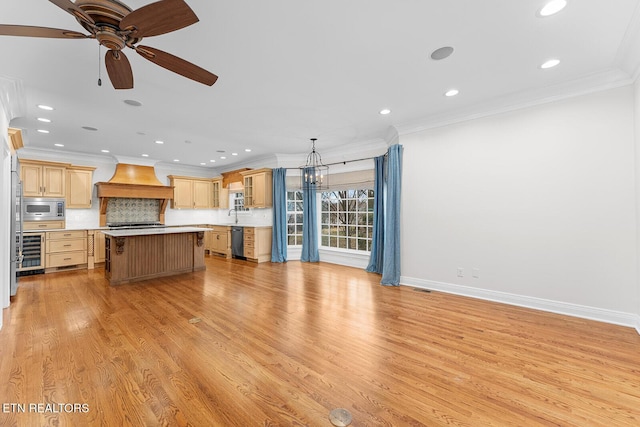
(585, 312)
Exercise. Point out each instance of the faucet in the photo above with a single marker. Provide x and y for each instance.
(234, 210)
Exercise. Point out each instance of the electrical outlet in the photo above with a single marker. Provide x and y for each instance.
(476, 273)
(460, 272)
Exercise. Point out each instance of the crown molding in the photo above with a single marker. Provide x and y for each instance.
(591, 83)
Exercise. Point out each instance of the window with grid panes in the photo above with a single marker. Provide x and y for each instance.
(294, 218)
(347, 219)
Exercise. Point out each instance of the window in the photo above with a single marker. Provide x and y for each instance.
(238, 202)
(347, 219)
(294, 218)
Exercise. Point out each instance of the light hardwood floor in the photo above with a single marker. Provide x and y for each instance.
(285, 344)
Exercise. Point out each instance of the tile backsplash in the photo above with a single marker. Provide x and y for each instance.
(133, 210)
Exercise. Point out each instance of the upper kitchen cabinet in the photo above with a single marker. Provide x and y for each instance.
(79, 187)
(258, 188)
(220, 194)
(43, 179)
(191, 193)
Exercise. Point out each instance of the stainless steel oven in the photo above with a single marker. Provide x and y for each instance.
(42, 209)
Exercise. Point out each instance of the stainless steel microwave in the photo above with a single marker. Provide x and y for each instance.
(41, 209)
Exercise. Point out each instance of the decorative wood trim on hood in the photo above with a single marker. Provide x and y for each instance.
(133, 182)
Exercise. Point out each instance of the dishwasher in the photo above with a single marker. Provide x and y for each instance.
(237, 242)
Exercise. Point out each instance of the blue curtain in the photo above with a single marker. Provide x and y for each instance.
(309, 221)
(391, 256)
(377, 240)
(279, 239)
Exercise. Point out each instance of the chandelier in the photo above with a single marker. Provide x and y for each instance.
(314, 172)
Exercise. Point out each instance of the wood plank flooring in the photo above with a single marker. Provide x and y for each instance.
(283, 345)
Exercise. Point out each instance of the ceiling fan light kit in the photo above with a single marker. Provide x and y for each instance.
(115, 26)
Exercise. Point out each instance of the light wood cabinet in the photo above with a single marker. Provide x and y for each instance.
(65, 249)
(220, 198)
(95, 248)
(99, 247)
(218, 240)
(191, 193)
(42, 179)
(43, 225)
(79, 187)
(257, 244)
(258, 188)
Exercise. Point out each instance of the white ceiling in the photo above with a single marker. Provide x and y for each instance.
(290, 70)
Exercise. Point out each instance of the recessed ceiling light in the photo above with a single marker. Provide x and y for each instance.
(552, 7)
(248, 150)
(89, 128)
(59, 145)
(42, 119)
(441, 53)
(176, 160)
(133, 102)
(105, 151)
(385, 111)
(43, 131)
(234, 154)
(212, 161)
(202, 164)
(159, 142)
(45, 107)
(145, 155)
(550, 64)
(452, 92)
(223, 157)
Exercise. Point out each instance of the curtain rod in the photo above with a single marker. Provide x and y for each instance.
(344, 162)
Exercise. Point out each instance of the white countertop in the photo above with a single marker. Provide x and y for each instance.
(150, 231)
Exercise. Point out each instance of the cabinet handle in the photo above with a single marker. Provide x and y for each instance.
(67, 259)
(66, 246)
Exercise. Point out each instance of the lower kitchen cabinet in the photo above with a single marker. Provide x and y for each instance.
(95, 248)
(257, 244)
(65, 249)
(218, 241)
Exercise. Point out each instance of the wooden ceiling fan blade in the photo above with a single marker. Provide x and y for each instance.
(119, 69)
(157, 18)
(70, 7)
(177, 65)
(28, 31)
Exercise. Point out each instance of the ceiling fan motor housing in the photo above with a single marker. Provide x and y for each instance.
(107, 15)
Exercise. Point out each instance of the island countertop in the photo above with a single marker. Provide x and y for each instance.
(152, 231)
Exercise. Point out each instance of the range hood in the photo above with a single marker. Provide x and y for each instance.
(133, 182)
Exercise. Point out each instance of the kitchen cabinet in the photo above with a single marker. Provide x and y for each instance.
(42, 179)
(258, 188)
(79, 187)
(43, 225)
(257, 244)
(65, 249)
(220, 198)
(218, 241)
(191, 193)
(95, 248)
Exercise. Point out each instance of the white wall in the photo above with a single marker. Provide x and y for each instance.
(636, 117)
(540, 200)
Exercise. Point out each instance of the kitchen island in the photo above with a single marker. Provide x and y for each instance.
(145, 253)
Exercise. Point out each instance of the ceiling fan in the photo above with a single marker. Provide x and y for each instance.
(116, 26)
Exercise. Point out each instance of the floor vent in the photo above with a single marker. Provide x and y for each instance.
(427, 291)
